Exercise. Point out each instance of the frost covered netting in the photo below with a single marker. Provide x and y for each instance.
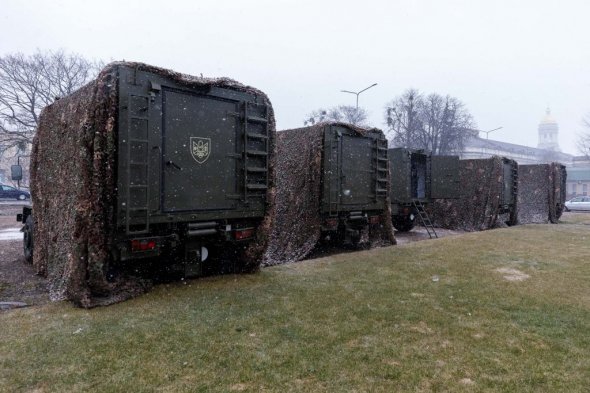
(479, 208)
(296, 218)
(541, 193)
(534, 188)
(73, 182)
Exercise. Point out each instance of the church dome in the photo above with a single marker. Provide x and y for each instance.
(548, 119)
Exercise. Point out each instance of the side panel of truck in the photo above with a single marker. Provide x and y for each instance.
(445, 177)
(400, 172)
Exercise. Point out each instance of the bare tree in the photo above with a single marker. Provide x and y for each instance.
(401, 116)
(584, 138)
(435, 123)
(29, 83)
(342, 113)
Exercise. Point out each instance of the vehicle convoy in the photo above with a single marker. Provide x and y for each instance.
(332, 183)
(146, 162)
(417, 178)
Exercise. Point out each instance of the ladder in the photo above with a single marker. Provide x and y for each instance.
(424, 218)
(381, 162)
(335, 186)
(136, 206)
(256, 147)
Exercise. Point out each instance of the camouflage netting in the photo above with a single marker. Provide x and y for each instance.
(297, 218)
(73, 183)
(539, 193)
(481, 183)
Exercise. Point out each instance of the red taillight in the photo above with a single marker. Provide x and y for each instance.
(242, 234)
(332, 223)
(375, 219)
(142, 245)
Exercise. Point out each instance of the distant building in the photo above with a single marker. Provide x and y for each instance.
(578, 177)
(578, 181)
(548, 133)
(547, 149)
(484, 148)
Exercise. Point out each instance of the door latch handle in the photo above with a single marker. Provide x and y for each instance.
(170, 163)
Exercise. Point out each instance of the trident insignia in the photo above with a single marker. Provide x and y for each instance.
(200, 149)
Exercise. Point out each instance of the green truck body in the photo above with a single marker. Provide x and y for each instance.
(418, 177)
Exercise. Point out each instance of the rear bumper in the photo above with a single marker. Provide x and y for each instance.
(355, 220)
(163, 240)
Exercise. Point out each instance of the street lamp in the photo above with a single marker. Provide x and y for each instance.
(488, 132)
(357, 93)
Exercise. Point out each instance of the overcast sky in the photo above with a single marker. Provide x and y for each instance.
(506, 60)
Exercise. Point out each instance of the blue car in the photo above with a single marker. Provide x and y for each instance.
(13, 193)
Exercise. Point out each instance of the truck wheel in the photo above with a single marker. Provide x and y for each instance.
(403, 223)
(28, 239)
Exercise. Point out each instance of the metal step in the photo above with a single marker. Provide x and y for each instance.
(257, 119)
(257, 136)
(256, 186)
(425, 219)
(256, 153)
(256, 169)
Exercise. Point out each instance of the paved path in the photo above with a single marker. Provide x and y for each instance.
(11, 234)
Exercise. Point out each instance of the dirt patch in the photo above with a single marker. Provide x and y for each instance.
(420, 233)
(467, 382)
(513, 274)
(18, 281)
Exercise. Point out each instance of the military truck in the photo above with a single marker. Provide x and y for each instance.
(145, 162)
(417, 178)
(331, 182)
(354, 187)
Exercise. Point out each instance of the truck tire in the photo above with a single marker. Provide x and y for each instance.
(403, 223)
(28, 239)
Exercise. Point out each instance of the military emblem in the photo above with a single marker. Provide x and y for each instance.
(200, 149)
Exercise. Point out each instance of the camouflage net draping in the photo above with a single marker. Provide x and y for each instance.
(481, 182)
(541, 193)
(73, 183)
(297, 218)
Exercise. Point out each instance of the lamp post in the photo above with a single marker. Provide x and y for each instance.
(488, 132)
(357, 93)
(483, 149)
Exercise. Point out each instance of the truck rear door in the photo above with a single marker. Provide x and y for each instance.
(356, 172)
(199, 140)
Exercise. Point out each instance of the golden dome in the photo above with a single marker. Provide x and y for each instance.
(548, 119)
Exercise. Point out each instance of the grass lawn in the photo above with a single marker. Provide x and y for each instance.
(505, 310)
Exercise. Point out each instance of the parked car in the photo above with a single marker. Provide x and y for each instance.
(13, 193)
(578, 203)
